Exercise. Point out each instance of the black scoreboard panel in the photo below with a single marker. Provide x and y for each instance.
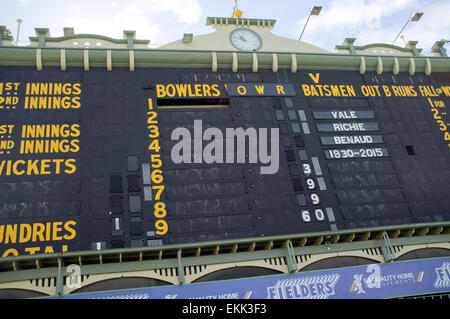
(87, 158)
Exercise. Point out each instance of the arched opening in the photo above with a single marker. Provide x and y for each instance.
(338, 262)
(236, 272)
(424, 253)
(19, 294)
(122, 283)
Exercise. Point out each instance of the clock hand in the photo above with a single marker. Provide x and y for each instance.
(242, 38)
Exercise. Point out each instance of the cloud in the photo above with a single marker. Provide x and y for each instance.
(144, 16)
(367, 20)
(24, 3)
(433, 26)
(186, 11)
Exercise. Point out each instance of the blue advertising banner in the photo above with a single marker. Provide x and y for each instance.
(416, 277)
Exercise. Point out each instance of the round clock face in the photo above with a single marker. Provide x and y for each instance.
(245, 40)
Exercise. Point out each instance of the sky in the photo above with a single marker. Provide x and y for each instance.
(164, 21)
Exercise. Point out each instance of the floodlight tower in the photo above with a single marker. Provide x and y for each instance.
(413, 18)
(314, 11)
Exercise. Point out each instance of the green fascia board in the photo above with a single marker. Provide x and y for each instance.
(230, 242)
(91, 36)
(377, 45)
(145, 265)
(26, 56)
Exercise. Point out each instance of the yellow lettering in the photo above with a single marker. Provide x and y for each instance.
(67, 88)
(56, 229)
(34, 89)
(181, 89)
(351, 90)
(75, 147)
(32, 167)
(313, 91)
(32, 250)
(58, 165)
(45, 164)
(44, 89)
(68, 227)
(15, 170)
(76, 88)
(70, 163)
(170, 90)
(76, 102)
(215, 88)
(306, 90)
(49, 250)
(280, 89)
(190, 91)
(48, 231)
(75, 130)
(315, 78)
(9, 252)
(327, 90)
(24, 233)
(11, 234)
(241, 90)
(160, 91)
(206, 90)
(259, 89)
(38, 232)
(57, 88)
(198, 89)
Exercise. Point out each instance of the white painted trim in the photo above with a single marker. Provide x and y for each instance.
(63, 59)
(234, 65)
(379, 66)
(427, 66)
(396, 68)
(108, 60)
(131, 55)
(412, 66)
(86, 59)
(254, 62)
(274, 62)
(362, 65)
(214, 62)
(293, 63)
(39, 59)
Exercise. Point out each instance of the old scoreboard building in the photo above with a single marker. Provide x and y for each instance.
(165, 173)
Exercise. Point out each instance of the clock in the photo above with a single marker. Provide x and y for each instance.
(245, 40)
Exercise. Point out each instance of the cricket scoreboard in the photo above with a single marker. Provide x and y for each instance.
(98, 160)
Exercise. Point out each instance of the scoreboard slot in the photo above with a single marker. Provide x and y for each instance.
(360, 166)
(384, 195)
(374, 211)
(193, 103)
(39, 188)
(204, 189)
(359, 180)
(203, 174)
(216, 206)
(211, 224)
(23, 210)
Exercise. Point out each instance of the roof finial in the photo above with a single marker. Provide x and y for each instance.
(236, 12)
